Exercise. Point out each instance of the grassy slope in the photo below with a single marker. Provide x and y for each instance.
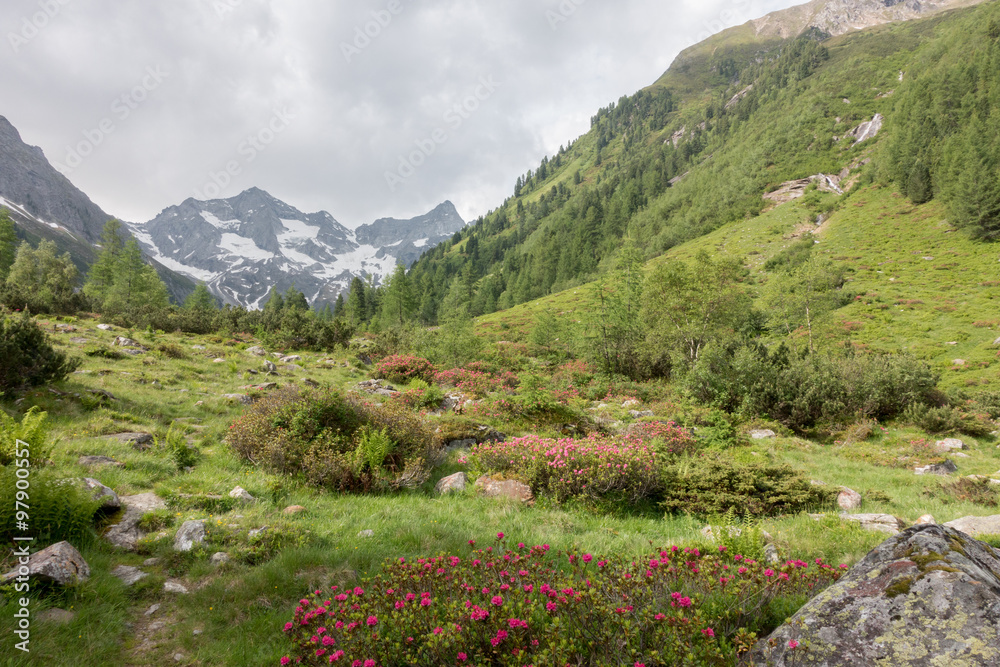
(240, 609)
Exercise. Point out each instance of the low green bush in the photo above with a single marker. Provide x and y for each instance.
(949, 420)
(59, 509)
(333, 439)
(707, 487)
(29, 360)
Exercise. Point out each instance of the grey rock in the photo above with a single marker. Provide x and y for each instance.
(451, 483)
(139, 441)
(925, 520)
(771, 556)
(238, 398)
(150, 562)
(199, 347)
(60, 563)
(636, 414)
(109, 499)
(948, 445)
(105, 327)
(945, 468)
(122, 341)
(152, 610)
(257, 351)
(977, 525)
(98, 461)
(241, 494)
(507, 488)
(291, 359)
(257, 531)
(188, 535)
(366, 534)
(882, 523)
(293, 509)
(762, 434)
(128, 574)
(929, 596)
(269, 367)
(848, 499)
(175, 587)
(220, 558)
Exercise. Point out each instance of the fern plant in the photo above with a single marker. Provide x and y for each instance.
(374, 446)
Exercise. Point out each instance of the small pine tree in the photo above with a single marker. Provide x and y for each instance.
(295, 300)
(8, 244)
(201, 299)
(918, 188)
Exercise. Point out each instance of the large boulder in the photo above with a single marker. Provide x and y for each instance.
(109, 499)
(126, 533)
(507, 488)
(189, 534)
(928, 596)
(848, 499)
(451, 483)
(60, 563)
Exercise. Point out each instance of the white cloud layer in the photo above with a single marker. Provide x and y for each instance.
(143, 104)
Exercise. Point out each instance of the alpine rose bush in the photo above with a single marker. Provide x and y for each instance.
(519, 606)
(627, 467)
(403, 368)
(478, 382)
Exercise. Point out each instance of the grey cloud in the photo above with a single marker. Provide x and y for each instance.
(233, 64)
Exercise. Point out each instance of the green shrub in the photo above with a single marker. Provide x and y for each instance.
(709, 487)
(948, 419)
(155, 521)
(332, 438)
(104, 352)
(29, 360)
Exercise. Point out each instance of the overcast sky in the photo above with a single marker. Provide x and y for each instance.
(365, 109)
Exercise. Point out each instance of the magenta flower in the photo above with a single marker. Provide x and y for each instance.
(496, 600)
(372, 620)
(792, 643)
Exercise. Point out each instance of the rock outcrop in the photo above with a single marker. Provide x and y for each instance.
(926, 597)
(60, 563)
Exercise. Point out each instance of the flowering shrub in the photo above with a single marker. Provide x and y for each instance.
(403, 368)
(476, 380)
(520, 606)
(629, 467)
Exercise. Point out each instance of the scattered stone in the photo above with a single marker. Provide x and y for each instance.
(109, 499)
(98, 461)
(975, 526)
(178, 657)
(257, 531)
(56, 616)
(948, 445)
(631, 403)
(139, 441)
(197, 632)
(257, 351)
(128, 574)
(958, 362)
(366, 533)
(451, 483)
(507, 488)
(293, 509)
(105, 327)
(771, 556)
(218, 360)
(150, 562)
(66, 328)
(198, 347)
(152, 610)
(60, 563)
(637, 414)
(881, 523)
(269, 367)
(291, 359)
(462, 444)
(189, 534)
(220, 558)
(241, 398)
(925, 520)
(103, 394)
(997, 341)
(945, 468)
(762, 434)
(242, 495)
(267, 386)
(122, 341)
(925, 597)
(848, 499)
(309, 382)
(175, 587)
(79, 341)
(960, 455)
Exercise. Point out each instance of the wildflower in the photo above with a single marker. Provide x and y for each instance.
(587, 558)
(499, 536)
(496, 600)
(372, 620)
(708, 632)
(438, 630)
(285, 660)
(462, 656)
(792, 643)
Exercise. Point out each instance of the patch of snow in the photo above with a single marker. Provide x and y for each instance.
(220, 224)
(297, 230)
(243, 247)
(169, 262)
(420, 243)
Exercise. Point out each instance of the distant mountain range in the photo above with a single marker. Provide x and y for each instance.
(240, 247)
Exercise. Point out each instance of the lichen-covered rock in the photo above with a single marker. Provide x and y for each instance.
(848, 499)
(945, 468)
(126, 533)
(451, 483)
(507, 488)
(60, 563)
(977, 525)
(880, 523)
(929, 596)
(189, 534)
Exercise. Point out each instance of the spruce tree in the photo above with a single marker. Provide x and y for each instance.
(200, 299)
(105, 270)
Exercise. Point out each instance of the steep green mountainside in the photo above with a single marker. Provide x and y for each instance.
(697, 151)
